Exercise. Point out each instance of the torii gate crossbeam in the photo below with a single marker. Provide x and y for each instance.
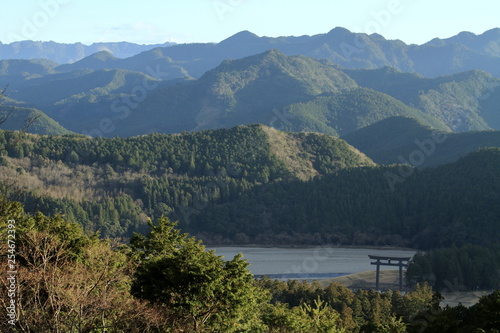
(389, 261)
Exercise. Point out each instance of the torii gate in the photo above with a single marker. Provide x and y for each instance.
(386, 261)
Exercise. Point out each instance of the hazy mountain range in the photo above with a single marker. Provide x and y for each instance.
(67, 53)
(294, 93)
(332, 113)
(462, 52)
(195, 87)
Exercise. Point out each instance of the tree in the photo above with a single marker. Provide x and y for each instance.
(19, 136)
(319, 317)
(204, 291)
(486, 312)
(67, 281)
(4, 118)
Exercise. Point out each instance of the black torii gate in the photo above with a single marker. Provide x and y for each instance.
(389, 261)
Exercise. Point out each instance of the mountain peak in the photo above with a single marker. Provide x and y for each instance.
(103, 55)
(273, 53)
(242, 36)
(96, 61)
(269, 56)
(492, 33)
(339, 31)
(465, 36)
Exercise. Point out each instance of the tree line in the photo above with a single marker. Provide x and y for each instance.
(471, 267)
(226, 188)
(458, 203)
(165, 281)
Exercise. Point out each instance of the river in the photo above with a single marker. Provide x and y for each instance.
(315, 263)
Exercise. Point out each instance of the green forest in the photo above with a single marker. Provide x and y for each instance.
(165, 281)
(156, 175)
(116, 172)
(471, 267)
(102, 208)
(254, 184)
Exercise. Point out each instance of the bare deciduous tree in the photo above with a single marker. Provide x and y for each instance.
(20, 133)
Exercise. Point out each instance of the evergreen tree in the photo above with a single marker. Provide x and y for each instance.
(198, 286)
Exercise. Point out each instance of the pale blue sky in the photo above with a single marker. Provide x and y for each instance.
(186, 21)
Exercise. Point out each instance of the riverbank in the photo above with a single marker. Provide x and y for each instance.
(389, 279)
(312, 246)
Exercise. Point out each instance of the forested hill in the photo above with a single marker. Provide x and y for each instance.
(457, 203)
(292, 93)
(254, 184)
(406, 140)
(112, 185)
(17, 117)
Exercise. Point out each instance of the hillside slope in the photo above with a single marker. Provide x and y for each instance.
(112, 185)
(464, 101)
(244, 91)
(455, 203)
(20, 118)
(343, 113)
(406, 140)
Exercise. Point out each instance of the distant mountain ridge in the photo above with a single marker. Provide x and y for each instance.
(62, 53)
(463, 52)
(297, 93)
(466, 101)
(405, 140)
(292, 93)
(268, 88)
(487, 43)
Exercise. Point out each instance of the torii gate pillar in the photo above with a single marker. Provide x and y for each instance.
(389, 261)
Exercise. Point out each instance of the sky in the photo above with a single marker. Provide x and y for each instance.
(189, 21)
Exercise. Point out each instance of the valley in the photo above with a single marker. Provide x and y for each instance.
(138, 166)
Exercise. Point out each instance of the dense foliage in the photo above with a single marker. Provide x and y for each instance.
(397, 205)
(464, 101)
(167, 282)
(111, 185)
(398, 139)
(471, 267)
(255, 184)
(344, 113)
(41, 124)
